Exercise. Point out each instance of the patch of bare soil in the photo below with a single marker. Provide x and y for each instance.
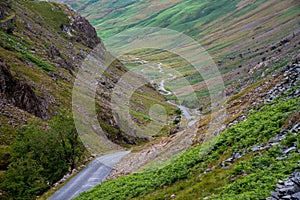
(157, 151)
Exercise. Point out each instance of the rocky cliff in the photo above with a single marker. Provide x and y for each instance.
(36, 52)
(20, 94)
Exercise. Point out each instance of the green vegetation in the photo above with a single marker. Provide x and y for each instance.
(290, 12)
(50, 13)
(238, 39)
(41, 155)
(263, 172)
(236, 29)
(143, 116)
(4, 157)
(45, 66)
(259, 127)
(9, 42)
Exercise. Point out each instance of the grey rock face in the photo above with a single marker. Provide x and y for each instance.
(288, 189)
(21, 94)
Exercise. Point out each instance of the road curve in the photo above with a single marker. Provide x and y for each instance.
(95, 173)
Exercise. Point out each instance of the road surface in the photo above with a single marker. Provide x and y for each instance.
(95, 173)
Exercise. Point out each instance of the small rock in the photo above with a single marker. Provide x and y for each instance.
(286, 190)
(296, 127)
(288, 183)
(281, 158)
(274, 143)
(268, 146)
(296, 181)
(255, 148)
(275, 195)
(281, 182)
(207, 170)
(173, 196)
(237, 155)
(284, 131)
(296, 196)
(230, 160)
(288, 197)
(289, 150)
(279, 186)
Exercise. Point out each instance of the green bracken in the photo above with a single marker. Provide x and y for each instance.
(259, 127)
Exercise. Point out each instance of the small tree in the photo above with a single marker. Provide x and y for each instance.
(41, 156)
(66, 135)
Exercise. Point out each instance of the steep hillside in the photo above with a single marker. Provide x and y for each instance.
(42, 47)
(255, 45)
(259, 149)
(245, 38)
(106, 16)
(40, 57)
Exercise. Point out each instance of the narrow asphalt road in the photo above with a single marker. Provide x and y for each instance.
(95, 173)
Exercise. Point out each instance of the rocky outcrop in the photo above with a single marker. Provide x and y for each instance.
(288, 189)
(274, 141)
(286, 87)
(22, 91)
(81, 31)
(285, 84)
(291, 76)
(88, 34)
(21, 94)
(7, 16)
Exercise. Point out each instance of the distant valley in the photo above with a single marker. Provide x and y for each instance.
(226, 129)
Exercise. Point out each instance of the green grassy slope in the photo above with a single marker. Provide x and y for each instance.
(110, 17)
(40, 53)
(252, 176)
(248, 40)
(238, 34)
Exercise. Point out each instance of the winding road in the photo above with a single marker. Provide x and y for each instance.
(165, 92)
(95, 173)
